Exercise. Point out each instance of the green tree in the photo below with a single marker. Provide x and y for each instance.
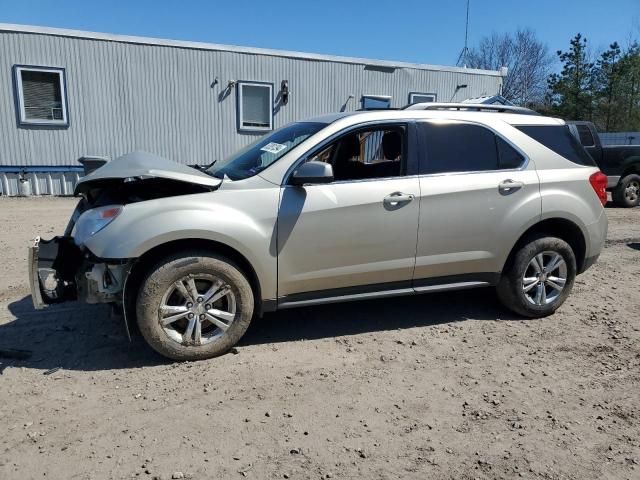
(629, 73)
(571, 91)
(608, 76)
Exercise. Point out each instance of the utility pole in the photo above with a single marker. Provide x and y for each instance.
(462, 58)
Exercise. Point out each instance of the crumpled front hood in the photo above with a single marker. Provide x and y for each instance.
(144, 165)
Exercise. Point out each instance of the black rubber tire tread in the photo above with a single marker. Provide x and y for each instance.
(618, 193)
(171, 269)
(509, 288)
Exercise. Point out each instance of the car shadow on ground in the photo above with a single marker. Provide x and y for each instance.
(352, 318)
(71, 336)
(634, 245)
(88, 338)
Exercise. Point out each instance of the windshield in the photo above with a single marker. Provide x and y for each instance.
(263, 152)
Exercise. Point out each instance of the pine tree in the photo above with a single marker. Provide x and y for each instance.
(629, 73)
(608, 93)
(571, 91)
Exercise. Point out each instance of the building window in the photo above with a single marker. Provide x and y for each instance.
(375, 102)
(41, 96)
(417, 97)
(255, 107)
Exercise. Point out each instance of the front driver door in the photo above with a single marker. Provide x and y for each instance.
(356, 235)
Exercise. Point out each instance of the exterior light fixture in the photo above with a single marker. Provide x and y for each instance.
(458, 88)
(284, 92)
(344, 106)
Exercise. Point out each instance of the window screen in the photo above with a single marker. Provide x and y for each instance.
(559, 139)
(586, 138)
(421, 97)
(41, 96)
(373, 102)
(254, 105)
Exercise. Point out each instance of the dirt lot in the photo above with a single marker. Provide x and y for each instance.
(437, 386)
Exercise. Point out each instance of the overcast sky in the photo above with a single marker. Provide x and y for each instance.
(426, 31)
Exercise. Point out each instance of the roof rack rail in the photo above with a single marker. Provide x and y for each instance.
(474, 107)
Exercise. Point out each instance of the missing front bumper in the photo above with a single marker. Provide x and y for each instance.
(52, 268)
(60, 272)
(34, 281)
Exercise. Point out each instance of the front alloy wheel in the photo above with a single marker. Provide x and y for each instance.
(194, 305)
(197, 309)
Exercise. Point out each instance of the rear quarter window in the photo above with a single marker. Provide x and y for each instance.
(559, 139)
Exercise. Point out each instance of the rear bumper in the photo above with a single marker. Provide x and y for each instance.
(597, 235)
(588, 263)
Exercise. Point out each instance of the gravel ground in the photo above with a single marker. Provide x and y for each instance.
(435, 386)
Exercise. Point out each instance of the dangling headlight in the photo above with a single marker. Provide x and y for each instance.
(94, 220)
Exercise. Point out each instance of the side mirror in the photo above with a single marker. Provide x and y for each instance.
(312, 172)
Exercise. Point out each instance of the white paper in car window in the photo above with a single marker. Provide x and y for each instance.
(273, 147)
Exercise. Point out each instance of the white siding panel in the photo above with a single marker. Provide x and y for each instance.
(128, 96)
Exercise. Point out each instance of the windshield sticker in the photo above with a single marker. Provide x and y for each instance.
(273, 147)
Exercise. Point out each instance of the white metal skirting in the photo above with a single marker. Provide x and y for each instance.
(38, 183)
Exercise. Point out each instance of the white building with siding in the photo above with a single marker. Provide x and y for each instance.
(65, 94)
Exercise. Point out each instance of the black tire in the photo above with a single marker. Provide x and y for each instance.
(160, 280)
(510, 289)
(627, 193)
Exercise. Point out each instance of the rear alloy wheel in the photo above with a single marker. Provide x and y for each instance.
(545, 278)
(627, 193)
(194, 306)
(539, 277)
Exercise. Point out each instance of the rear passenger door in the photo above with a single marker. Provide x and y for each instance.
(477, 193)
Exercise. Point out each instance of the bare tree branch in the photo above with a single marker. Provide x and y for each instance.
(527, 59)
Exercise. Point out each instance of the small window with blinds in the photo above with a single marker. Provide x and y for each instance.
(41, 96)
(417, 97)
(255, 107)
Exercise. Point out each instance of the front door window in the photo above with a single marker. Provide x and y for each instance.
(366, 154)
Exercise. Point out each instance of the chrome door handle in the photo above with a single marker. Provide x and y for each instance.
(509, 186)
(397, 198)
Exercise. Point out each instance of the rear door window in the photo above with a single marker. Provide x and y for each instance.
(462, 147)
(559, 139)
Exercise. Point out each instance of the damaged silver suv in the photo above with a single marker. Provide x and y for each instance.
(341, 207)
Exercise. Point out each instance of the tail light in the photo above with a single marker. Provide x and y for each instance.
(599, 183)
